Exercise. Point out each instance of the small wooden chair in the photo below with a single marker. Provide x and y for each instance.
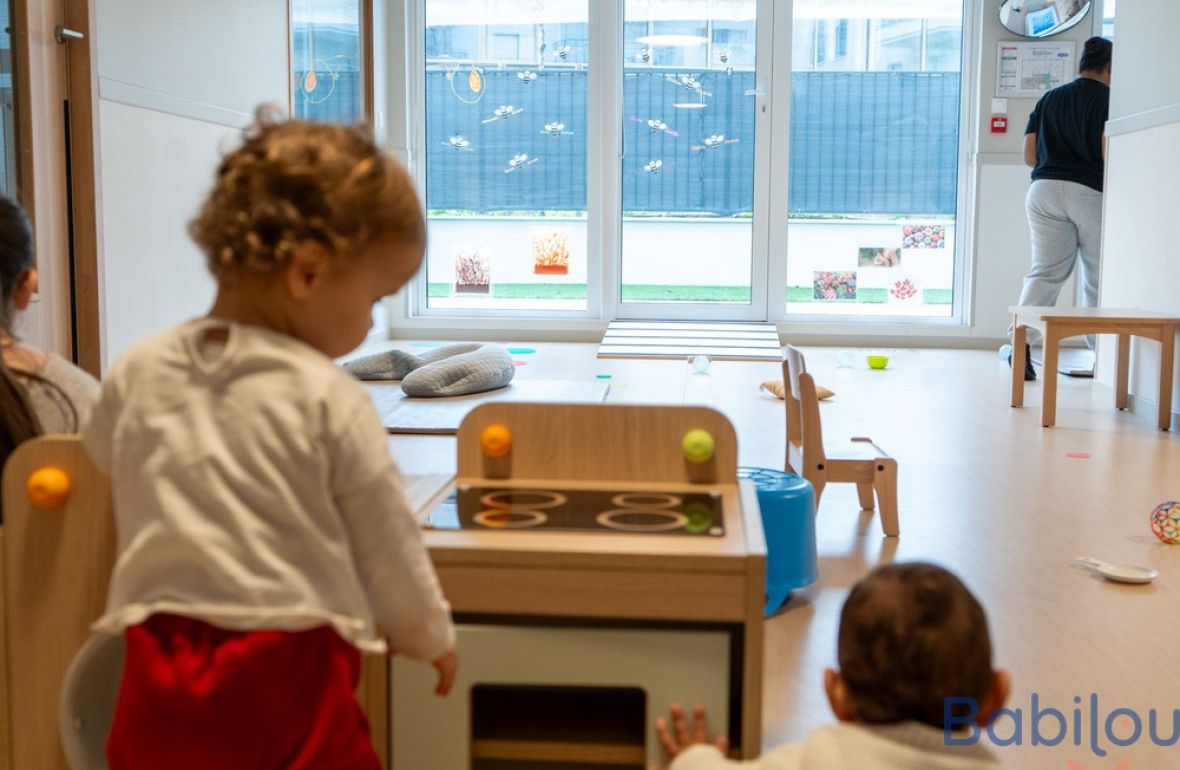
(866, 465)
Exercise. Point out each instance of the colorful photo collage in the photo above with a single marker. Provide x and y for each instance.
(878, 269)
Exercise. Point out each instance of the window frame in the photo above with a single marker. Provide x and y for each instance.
(961, 284)
(365, 17)
(604, 221)
(756, 309)
(417, 293)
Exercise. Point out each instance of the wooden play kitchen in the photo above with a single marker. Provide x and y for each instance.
(601, 562)
(1056, 324)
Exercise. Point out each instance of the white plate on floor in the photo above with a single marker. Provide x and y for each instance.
(1119, 573)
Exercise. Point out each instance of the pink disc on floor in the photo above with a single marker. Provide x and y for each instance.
(521, 363)
(1078, 455)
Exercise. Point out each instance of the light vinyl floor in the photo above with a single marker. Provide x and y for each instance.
(983, 490)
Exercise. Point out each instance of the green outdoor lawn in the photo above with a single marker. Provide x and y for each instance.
(659, 293)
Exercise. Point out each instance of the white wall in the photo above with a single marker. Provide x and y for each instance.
(176, 82)
(1001, 181)
(1139, 264)
(1143, 75)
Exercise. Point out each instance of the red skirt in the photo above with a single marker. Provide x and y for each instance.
(196, 697)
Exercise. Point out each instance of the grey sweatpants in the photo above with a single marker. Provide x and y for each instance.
(1065, 220)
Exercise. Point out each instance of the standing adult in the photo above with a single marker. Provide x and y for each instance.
(1065, 146)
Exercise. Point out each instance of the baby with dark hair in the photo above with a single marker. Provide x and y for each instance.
(914, 653)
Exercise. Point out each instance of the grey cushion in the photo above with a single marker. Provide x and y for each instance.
(452, 370)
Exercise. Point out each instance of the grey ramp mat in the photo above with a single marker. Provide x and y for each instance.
(403, 414)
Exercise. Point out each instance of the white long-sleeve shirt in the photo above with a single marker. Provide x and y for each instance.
(254, 489)
(848, 746)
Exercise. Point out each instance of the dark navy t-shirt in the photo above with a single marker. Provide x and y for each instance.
(1068, 122)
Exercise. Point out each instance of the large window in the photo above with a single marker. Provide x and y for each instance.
(576, 155)
(688, 159)
(506, 155)
(874, 158)
(327, 59)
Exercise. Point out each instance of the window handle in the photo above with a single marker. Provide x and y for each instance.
(65, 35)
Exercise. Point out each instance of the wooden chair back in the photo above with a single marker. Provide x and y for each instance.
(804, 431)
(55, 566)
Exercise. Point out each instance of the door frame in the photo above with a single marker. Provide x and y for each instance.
(58, 174)
(760, 241)
(81, 58)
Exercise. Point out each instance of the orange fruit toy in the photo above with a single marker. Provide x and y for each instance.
(48, 487)
(495, 440)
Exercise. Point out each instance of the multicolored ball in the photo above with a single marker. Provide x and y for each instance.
(1165, 522)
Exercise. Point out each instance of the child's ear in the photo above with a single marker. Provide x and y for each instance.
(997, 696)
(838, 697)
(26, 287)
(307, 270)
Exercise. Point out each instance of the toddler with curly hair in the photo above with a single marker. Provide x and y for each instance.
(263, 536)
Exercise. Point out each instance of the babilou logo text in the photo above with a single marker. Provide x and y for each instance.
(1086, 724)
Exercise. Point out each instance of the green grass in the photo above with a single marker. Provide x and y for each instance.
(631, 293)
(663, 293)
(863, 296)
(937, 296)
(658, 293)
(519, 290)
(872, 296)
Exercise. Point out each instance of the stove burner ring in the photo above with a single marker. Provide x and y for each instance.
(646, 500)
(510, 518)
(665, 520)
(519, 499)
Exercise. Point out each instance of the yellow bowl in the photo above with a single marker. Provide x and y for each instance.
(878, 362)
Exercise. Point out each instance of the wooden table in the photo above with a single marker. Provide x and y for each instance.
(1055, 324)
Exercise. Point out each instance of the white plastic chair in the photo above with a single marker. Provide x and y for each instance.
(88, 696)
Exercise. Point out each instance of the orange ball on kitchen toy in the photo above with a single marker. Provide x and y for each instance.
(48, 487)
(1165, 522)
(495, 440)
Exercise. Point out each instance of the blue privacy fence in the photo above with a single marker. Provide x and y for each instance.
(861, 142)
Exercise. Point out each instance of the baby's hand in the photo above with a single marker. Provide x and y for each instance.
(446, 665)
(680, 737)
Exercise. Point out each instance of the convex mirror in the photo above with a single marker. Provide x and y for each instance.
(1042, 18)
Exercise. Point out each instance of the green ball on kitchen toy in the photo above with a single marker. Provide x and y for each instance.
(700, 517)
(698, 446)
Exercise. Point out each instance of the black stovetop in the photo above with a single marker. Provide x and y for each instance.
(582, 510)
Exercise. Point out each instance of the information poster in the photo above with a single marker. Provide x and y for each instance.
(1029, 69)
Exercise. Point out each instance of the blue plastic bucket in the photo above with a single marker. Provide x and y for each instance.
(787, 504)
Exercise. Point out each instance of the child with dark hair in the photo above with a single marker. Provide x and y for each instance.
(911, 636)
(40, 392)
(264, 540)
